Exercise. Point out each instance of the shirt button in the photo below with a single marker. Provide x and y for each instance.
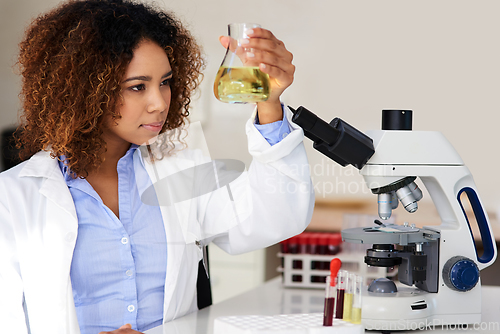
(284, 135)
(131, 308)
(129, 272)
(70, 237)
(124, 240)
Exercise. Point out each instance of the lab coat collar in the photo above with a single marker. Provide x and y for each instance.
(54, 188)
(39, 165)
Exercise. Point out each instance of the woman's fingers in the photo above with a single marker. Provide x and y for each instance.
(259, 41)
(227, 41)
(264, 40)
(271, 54)
(281, 78)
(271, 61)
(263, 49)
(224, 40)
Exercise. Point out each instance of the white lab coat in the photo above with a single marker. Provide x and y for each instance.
(38, 228)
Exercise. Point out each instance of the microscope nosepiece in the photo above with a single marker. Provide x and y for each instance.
(406, 190)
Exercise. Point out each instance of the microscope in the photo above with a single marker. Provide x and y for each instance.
(438, 266)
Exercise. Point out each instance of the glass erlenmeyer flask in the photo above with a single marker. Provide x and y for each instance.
(239, 79)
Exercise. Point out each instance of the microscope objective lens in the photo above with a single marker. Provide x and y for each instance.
(394, 200)
(407, 199)
(415, 190)
(385, 206)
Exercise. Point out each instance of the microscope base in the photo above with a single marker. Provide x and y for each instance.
(411, 309)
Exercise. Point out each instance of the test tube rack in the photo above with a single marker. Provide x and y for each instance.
(283, 324)
(310, 270)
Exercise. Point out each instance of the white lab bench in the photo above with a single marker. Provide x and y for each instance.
(271, 298)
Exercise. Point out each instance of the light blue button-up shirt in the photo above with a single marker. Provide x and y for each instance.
(119, 265)
(118, 268)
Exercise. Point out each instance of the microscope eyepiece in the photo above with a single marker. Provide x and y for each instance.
(314, 127)
(337, 140)
(397, 120)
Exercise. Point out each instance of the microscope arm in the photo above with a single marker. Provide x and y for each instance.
(450, 207)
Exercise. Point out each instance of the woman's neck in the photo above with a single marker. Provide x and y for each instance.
(114, 152)
(105, 179)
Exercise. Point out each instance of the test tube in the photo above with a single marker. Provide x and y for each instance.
(284, 246)
(341, 284)
(331, 292)
(322, 249)
(293, 245)
(334, 241)
(357, 300)
(295, 248)
(303, 241)
(349, 292)
(313, 241)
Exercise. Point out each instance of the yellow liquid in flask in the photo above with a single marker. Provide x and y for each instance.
(241, 85)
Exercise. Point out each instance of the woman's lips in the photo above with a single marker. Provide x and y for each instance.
(155, 127)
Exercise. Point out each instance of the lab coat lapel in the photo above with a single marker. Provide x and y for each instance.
(175, 218)
(53, 256)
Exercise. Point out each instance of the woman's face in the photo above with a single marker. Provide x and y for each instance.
(146, 98)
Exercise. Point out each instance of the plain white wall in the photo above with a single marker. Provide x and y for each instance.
(354, 58)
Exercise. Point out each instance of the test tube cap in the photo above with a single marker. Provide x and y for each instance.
(334, 269)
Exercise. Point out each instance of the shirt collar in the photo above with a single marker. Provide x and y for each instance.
(66, 171)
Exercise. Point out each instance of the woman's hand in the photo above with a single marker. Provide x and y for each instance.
(275, 60)
(125, 329)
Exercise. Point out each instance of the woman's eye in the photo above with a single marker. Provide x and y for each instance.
(166, 82)
(138, 87)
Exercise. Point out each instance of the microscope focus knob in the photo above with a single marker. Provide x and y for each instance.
(460, 273)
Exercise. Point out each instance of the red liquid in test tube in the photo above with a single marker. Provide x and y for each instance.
(293, 245)
(284, 246)
(294, 248)
(313, 243)
(328, 315)
(341, 285)
(314, 248)
(303, 240)
(331, 292)
(322, 249)
(334, 241)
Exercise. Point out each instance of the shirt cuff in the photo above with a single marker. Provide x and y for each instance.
(274, 132)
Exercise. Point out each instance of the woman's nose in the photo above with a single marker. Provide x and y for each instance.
(158, 101)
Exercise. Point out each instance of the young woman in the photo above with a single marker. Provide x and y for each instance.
(106, 85)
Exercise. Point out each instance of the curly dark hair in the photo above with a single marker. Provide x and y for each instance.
(72, 60)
